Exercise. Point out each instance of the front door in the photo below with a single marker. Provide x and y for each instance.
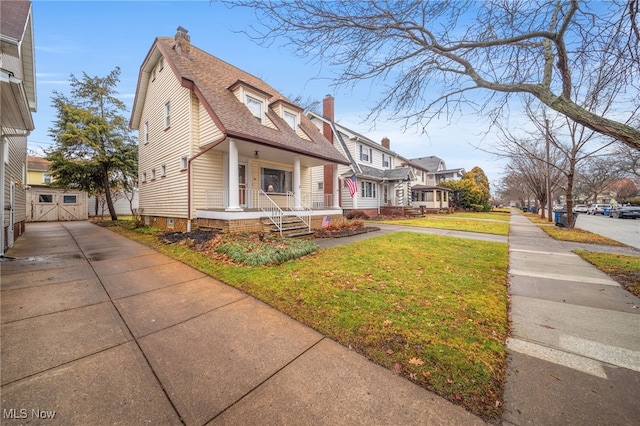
(242, 185)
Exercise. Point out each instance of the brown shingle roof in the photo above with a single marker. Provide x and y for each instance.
(212, 79)
(13, 18)
(37, 163)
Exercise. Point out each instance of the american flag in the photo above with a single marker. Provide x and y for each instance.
(352, 184)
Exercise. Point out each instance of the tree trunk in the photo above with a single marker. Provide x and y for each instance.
(107, 193)
(569, 194)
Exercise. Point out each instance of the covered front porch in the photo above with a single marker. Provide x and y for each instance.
(430, 198)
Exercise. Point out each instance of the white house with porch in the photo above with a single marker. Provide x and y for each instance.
(220, 148)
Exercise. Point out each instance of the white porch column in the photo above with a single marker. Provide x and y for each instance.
(234, 186)
(297, 196)
(336, 188)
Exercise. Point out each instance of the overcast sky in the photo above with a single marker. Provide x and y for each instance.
(72, 37)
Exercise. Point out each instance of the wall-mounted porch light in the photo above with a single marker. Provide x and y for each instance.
(256, 155)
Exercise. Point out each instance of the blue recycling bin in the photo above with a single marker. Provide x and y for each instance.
(556, 217)
(606, 212)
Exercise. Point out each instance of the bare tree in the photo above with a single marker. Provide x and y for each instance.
(597, 174)
(432, 56)
(528, 164)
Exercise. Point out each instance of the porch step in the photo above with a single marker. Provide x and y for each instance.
(292, 227)
(412, 212)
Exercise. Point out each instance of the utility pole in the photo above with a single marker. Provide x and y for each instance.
(548, 177)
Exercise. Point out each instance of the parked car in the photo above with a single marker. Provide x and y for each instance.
(580, 208)
(598, 208)
(625, 212)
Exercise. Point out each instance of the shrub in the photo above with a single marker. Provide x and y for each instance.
(253, 253)
(356, 214)
(339, 223)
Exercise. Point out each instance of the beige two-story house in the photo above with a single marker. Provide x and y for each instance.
(18, 88)
(218, 147)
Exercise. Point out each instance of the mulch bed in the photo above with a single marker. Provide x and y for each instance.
(195, 237)
(348, 232)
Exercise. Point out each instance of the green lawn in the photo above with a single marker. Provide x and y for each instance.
(486, 223)
(430, 308)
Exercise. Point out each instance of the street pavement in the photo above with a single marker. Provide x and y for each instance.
(97, 329)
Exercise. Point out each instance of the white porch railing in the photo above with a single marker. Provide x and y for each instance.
(219, 199)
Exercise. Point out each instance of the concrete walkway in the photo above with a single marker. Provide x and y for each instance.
(574, 350)
(98, 329)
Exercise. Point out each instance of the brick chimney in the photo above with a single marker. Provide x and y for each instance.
(386, 142)
(183, 42)
(327, 131)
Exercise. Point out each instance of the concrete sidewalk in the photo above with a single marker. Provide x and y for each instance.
(97, 329)
(574, 350)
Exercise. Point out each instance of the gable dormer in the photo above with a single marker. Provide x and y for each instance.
(253, 98)
(288, 112)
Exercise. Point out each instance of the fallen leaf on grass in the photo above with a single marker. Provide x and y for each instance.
(387, 322)
(416, 361)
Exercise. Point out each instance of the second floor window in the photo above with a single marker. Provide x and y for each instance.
(366, 154)
(386, 160)
(46, 178)
(255, 106)
(167, 115)
(146, 132)
(291, 119)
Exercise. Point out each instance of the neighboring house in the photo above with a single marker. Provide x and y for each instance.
(385, 182)
(18, 90)
(46, 204)
(120, 204)
(220, 148)
(437, 170)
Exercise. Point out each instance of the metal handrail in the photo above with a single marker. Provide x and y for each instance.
(272, 210)
(304, 217)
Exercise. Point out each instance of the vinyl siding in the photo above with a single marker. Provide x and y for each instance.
(15, 171)
(207, 174)
(165, 196)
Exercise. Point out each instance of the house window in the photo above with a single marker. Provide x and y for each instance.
(184, 163)
(45, 198)
(276, 181)
(153, 74)
(386, 160)
(291, 119)
(69, 199)
(255, 106)
(161, 64)
(153, 174)
(146, 132)
(320, 186)
(163, 170)
(144, 177)
(368, 189)
(167, 115)
(46, 178)
(366, 154)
